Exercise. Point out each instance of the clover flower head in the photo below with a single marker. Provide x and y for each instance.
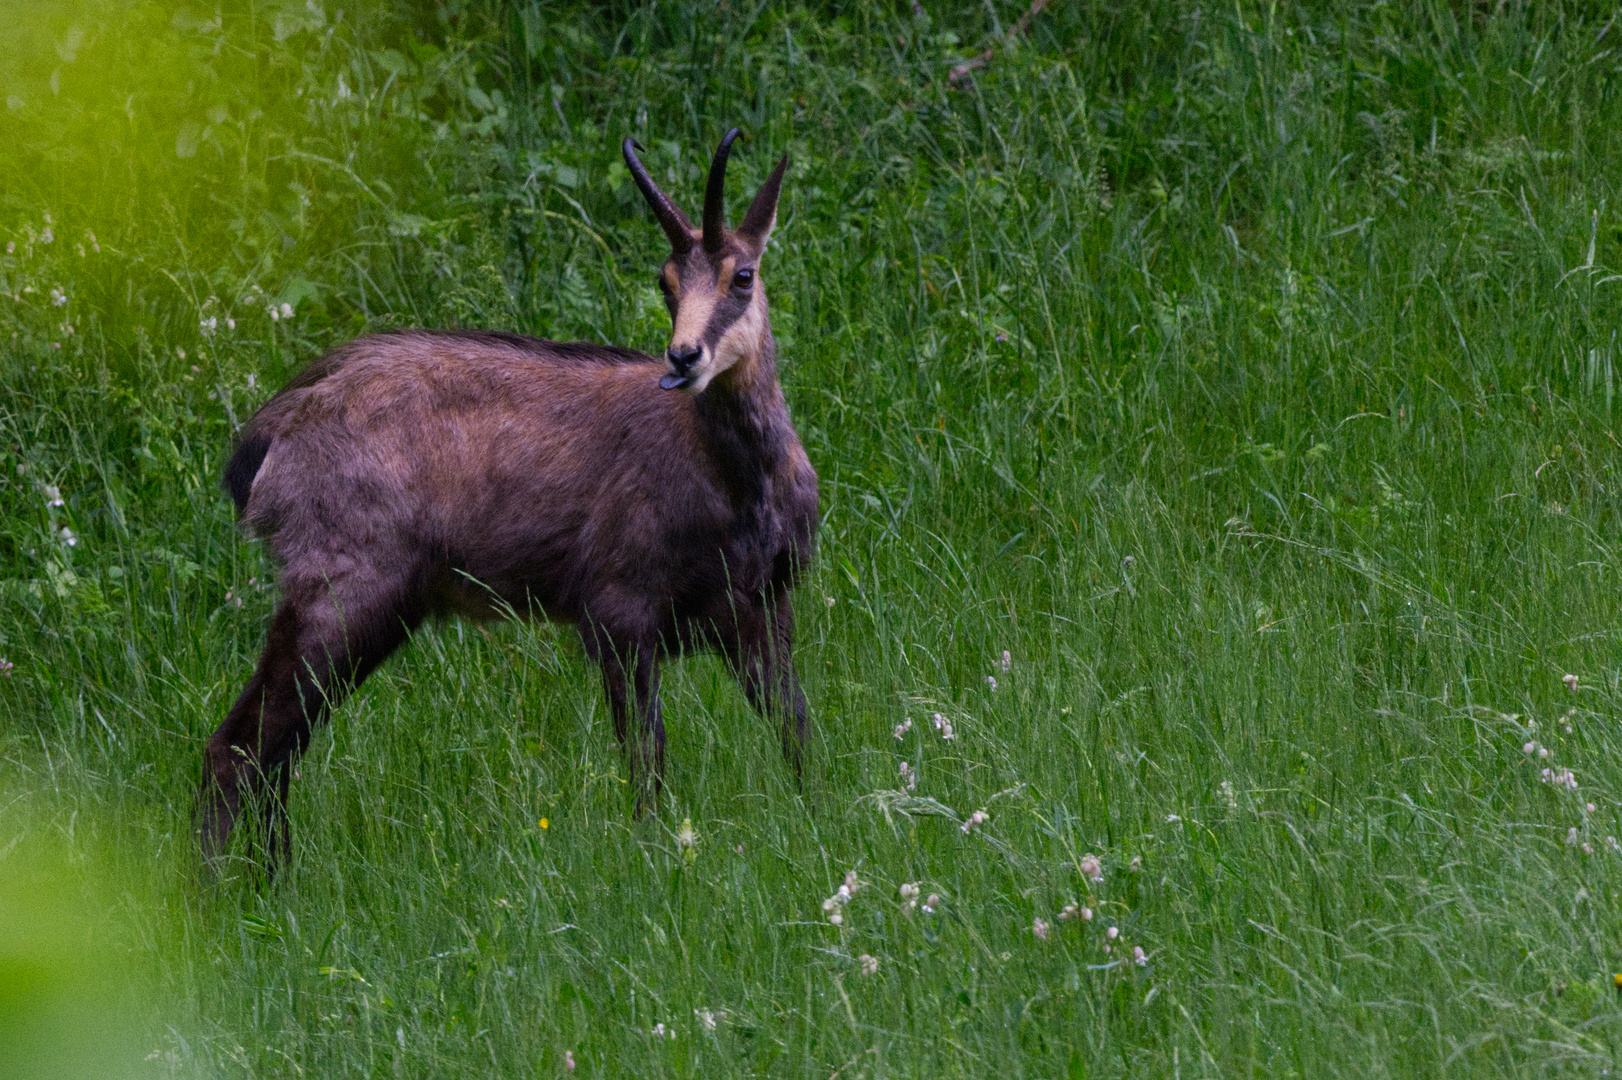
(991, 681)
(6, 666)
(1561, 778)
(976, 819)
(1091, 868)
(687, 841)
(1007, 662)
(58, 297)
(1589, 808)
(870, 964)
(909, 890)
(932, 903)
(1570, 681)
(1039, 927)
(1530, 748)
(1139, 957)
(568, 1061)
(909, 779)
(1112, 933)
(902, 728)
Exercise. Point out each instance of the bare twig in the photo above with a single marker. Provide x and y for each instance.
(961, 71)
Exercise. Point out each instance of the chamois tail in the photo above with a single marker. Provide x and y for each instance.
(261, 431)
(244, 464)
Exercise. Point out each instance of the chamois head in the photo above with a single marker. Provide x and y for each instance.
(711, 281)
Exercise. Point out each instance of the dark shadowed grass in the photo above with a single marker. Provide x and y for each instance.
(1245, 373)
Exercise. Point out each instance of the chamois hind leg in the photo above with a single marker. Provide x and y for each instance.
(631, 681)
(325, 637)
(760, 654)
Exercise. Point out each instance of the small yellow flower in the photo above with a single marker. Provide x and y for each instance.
(545, 823)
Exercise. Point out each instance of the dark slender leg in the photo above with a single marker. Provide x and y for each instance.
(631, 681)
(317, 648)
(762, 660)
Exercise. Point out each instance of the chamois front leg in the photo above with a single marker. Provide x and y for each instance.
(631, 682)
(762, 660)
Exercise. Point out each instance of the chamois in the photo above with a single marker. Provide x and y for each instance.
(659, 505)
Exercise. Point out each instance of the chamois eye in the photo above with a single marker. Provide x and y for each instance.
(743, 279)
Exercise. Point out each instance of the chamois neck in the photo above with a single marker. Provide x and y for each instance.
(741, 418)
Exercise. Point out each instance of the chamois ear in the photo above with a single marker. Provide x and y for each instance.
(762, 215)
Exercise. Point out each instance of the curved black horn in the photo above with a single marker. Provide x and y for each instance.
(715, 193)
(671, 219)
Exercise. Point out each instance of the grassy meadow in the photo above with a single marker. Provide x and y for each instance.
(1216, 410)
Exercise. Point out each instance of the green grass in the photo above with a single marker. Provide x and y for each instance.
(1247, 372)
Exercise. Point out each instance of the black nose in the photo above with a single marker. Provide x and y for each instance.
(683, 360)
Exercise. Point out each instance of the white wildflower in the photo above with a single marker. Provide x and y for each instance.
(1228, 795)
(1172, 819)
(287, 311)
(710, 1019)
(1561, 778)
(976, 819)
(208, 325)
(6, 666)
(1113, 932)
(53, 495)
(902, 728)
(932, 903)
(1610, 842)
(852, 883)
(661, 1032)
(230, 323)
(1091, 868)
(47, 237)
(11, 247)
(1135, 865)
(1570, 681)
(870, 964)
(67, 536)
(1039, 927)
(909, 779)
(1139, 957)
(909, 890)
(991, 681)
(568, 1061)
(687, 841)
(1571, 836)
(1530, 748)
(1589, 808)
(1007, 663)
(1588, 849)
